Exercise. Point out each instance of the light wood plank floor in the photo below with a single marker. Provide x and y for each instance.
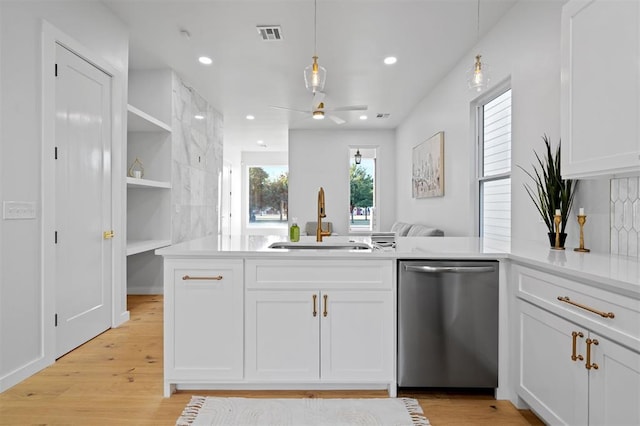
(116, 379)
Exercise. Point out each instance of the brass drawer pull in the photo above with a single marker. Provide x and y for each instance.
(588, 365)
(188, 277)
(565, 299)
(575, 336)
(315, 305)
(325, 306)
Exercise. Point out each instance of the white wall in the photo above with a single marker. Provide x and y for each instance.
(23, 327)
(321, 159)
(525, 48)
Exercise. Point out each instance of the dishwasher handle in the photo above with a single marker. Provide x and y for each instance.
(456, 269)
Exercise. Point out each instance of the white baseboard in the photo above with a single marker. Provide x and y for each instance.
(145, 290)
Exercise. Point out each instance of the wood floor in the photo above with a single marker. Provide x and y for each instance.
(116, 379)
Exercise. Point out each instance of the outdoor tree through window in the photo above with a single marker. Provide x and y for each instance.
(268, 196)
(362, 190)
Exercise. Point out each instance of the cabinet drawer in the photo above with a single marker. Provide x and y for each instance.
(580, 302)
(329, 274)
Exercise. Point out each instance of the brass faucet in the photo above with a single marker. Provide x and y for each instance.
(319, 232)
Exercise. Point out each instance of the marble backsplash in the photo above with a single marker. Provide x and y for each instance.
(625, 216)
(197, 163)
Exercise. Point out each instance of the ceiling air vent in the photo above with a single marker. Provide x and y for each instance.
(383, 115)
(270, 32)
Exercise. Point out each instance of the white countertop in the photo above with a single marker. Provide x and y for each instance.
(618, 272)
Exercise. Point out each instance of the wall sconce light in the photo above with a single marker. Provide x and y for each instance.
(358, 157)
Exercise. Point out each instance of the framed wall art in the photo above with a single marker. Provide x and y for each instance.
(427, 177)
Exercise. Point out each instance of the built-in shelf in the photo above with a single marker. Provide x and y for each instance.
(140, 121)
(135, 247)
(146, 183)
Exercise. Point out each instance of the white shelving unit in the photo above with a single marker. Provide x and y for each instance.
(148, 198)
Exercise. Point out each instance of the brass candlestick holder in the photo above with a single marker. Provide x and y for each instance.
(557, 219)
(581, 220)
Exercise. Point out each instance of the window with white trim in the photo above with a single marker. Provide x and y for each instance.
(494, 166)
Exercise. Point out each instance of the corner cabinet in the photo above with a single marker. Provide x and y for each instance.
(600, 83)
(579, 350)
(320, 323)
(149, 196)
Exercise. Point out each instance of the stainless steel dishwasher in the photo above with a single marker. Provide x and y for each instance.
(448, 324)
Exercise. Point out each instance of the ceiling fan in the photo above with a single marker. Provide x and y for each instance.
(319, 111)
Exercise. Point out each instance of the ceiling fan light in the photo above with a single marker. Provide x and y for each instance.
(315, 76)
(318, 115)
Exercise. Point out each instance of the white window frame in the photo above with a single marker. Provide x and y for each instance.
(478, 116)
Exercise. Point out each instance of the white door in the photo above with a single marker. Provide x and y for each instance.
(282, 335)
(551, 382)
(357, 336)
(83, 201)
(614, 387)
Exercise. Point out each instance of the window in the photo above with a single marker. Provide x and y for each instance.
(362, 190)
(268, 196)
(494, 165)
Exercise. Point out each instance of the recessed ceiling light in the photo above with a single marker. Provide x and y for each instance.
(363, 117)
(205, 60)
(390, 60)
(198, 117)
(260, 142)
(250, 117)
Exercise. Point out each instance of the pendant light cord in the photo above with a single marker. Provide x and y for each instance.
(315, 27)
(478, 24)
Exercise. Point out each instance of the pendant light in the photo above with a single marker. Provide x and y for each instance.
(314, 74)
(478, 75)
(358, 157)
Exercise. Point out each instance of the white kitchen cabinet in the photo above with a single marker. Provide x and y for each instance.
(578, 352)
(600, 79)
(203, 341)
(320, 321)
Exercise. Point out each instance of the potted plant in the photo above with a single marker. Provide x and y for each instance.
(550, 192)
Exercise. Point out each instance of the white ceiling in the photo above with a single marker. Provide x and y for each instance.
(353, 36)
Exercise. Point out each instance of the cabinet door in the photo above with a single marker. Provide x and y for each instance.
(357, 336)
(614, 388)
(207, 310)
(600, 87)
(282, 335)
(552, 383)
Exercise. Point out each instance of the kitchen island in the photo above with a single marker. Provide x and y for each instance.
(241, 315)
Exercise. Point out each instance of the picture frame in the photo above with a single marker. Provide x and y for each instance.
(427, 168)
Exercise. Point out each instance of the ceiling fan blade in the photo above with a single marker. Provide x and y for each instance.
(349, 108)
(289, 109)
(336, 119)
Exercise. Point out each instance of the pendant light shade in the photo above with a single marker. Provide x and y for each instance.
(315, 76)
(478, 75)
(358, 157)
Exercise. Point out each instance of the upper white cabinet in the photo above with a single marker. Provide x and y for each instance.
(600, 80)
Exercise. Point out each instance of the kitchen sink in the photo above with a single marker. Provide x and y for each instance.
(320, 246)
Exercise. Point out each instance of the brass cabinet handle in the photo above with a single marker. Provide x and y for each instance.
(107, 235)
(588, 365)
(565, 299)
(324, 313)
(188, 277)
(575, 336)
(315, 305)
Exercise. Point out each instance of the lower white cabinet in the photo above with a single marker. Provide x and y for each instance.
(320, 322)
(203, 334)
(319, 335)
(579, 358)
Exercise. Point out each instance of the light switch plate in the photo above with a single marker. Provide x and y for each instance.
(17, 210)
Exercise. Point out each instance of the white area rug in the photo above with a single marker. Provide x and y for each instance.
(302, 412)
